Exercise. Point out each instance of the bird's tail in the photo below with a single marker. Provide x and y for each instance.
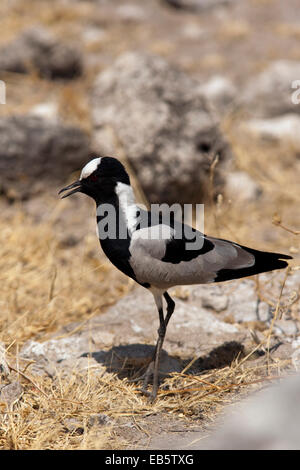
(263, 262)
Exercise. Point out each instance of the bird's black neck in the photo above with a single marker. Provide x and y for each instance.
(116, 220)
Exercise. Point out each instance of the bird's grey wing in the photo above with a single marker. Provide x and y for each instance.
(241, 261)
(162, 256)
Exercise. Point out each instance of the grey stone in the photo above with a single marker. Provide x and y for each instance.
(242, 301)
(239, 184)
(10, 393)
(37, 49)
(215, 301)
(4, 368)
(295, 356)
(196, 5)
(284, 129)
(55, 350)
(270, 93)
(131, 12)
(99, 419)
(73, 426)
(220, 92)
(192, 31)
(286, 327)
(269, 420)
(164, 124)
(46, 111)
(36, 150)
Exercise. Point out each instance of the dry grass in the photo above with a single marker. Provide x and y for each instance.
(67, 412)
(276, 170)
(46, 284)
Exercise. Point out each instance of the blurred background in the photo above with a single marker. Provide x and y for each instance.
(198, 98)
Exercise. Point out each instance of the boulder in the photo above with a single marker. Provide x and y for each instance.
(269, 420)
(164, 124)
(196, 5)
(242, 187)
(35, 150)
(266, 420)
(270, 93)
(220, 92)
(281, 129)
(10, 393)
(36, 49)
(131, 13)
(4, 367)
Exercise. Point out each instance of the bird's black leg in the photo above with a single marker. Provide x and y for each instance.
(170, 307)
(153, 367)
(161, 336)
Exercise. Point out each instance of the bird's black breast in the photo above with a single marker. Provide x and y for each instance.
(117, 251)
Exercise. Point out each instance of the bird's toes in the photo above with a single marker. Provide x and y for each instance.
(143, 391)
(137, 379)
(145, 376)
(150, 395)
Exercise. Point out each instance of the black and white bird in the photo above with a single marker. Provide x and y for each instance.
(154, 252)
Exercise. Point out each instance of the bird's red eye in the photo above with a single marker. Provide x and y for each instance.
(93, 178)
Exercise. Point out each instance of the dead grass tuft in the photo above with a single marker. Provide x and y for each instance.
(88, 411)
(46, 284)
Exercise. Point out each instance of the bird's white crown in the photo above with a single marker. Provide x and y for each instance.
(89, 168)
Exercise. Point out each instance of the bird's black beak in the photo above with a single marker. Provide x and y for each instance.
(77, 188)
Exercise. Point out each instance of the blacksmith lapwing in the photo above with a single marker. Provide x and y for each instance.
(157, 253)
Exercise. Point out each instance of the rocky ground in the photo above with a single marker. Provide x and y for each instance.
(200, 101)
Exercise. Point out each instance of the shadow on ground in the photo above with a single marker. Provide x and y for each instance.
(131, 361)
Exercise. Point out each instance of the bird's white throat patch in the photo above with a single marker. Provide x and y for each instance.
(127, 204)
(89, 168)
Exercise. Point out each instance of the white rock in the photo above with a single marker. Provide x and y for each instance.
(131, 12)
(282, 128)
(215, 301)
(93, 35)
(10, 393)
(46, 110)
(270, 93)
(269, 420)
(192, 31)
(296, 358)
(4, 368)
(240, 186)
(219, 91)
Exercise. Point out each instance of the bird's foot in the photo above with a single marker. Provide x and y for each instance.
(151, 395)
(145, 376)
(138, 379)
(146, 379)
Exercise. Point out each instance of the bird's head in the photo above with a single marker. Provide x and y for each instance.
(98, 178)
